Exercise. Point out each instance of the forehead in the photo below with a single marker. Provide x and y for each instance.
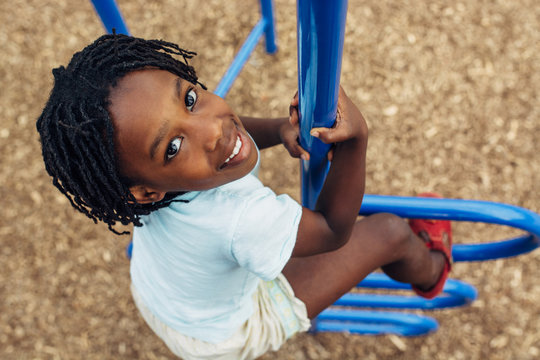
(139, 105)
(141, 91)
(142, 101)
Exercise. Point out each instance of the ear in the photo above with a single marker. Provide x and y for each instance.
(146, 195)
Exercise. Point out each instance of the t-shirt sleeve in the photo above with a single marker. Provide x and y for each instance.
(266, 233)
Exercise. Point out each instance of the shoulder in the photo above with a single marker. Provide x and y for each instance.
(231, 197)
(241, 188)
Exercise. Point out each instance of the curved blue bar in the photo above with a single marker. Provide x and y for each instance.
(496, 250)
(453, 209)
(110, 16)
(465, 210)
(321, 33)
(456, 293)
(240, 59)
(374, 322)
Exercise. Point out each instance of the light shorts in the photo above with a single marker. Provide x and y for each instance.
(277, 315)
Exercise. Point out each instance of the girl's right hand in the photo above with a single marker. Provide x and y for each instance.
(349, 125)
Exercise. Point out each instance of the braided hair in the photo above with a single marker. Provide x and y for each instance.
(76, 129)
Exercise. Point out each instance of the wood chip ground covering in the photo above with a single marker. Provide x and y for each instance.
(451, 93)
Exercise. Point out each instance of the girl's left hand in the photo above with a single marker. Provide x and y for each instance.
(289, 132)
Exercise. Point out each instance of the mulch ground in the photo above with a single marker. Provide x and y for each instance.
(450, 90)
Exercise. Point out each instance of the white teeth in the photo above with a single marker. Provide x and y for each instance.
(236, 149)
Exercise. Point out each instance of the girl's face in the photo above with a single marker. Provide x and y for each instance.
(171, 136)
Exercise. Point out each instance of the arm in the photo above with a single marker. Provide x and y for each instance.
(265, 132)
(273, 131)
(329, 226)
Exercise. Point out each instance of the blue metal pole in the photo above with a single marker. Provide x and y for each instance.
(320, 36)
(267, 11)
(455, 293)
(110, 16)
(374, 322)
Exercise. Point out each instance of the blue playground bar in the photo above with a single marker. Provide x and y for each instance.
(321, 34)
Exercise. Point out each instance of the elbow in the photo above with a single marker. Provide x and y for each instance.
(339, 241)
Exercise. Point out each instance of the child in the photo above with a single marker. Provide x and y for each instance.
(222, 268)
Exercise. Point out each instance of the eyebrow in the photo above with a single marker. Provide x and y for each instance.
(163, 130)
(178, 88)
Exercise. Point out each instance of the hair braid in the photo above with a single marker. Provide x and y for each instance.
(76, 130)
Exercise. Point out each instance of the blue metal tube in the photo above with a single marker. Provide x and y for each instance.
(321, 33)
(110, 16)
(240, 59)
(466, 210)
(267, 11)
(336, 318)
(456, 293)
(496, 250)
(453, 209)
(374, 322)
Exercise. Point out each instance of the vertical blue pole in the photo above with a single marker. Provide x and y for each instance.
(110, 16)
(267, 11)
(321, 33)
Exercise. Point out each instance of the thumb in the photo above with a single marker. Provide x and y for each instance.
(326, 135)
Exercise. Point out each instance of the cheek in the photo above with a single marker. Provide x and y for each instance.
(189, 176)
(127, 155)
(133, 162)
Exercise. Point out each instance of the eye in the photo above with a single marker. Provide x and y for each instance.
(173, 148)
(191, 99)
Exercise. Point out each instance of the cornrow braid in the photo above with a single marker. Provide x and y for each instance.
(76, 130)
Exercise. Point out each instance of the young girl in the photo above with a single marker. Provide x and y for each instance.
(222, 268)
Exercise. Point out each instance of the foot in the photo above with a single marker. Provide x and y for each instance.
(437, 235)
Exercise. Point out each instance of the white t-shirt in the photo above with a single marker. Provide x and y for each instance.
(197, 264)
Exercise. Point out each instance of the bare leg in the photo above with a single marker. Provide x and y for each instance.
(378, 241)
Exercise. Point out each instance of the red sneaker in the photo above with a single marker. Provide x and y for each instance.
(437, 235)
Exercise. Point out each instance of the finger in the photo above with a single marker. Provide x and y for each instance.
(329, 135)
(293, 118)
(342, 99)
(321, 133)
(294, 101)
(330, 155)
(293, 150)
(304, 155)
(299, 152)
(296, 150)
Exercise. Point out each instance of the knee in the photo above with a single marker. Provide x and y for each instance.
(396, 233)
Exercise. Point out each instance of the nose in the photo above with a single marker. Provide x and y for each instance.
(210, 131)
(213, 123)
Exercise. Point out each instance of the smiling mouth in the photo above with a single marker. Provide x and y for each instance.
(236, 150)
